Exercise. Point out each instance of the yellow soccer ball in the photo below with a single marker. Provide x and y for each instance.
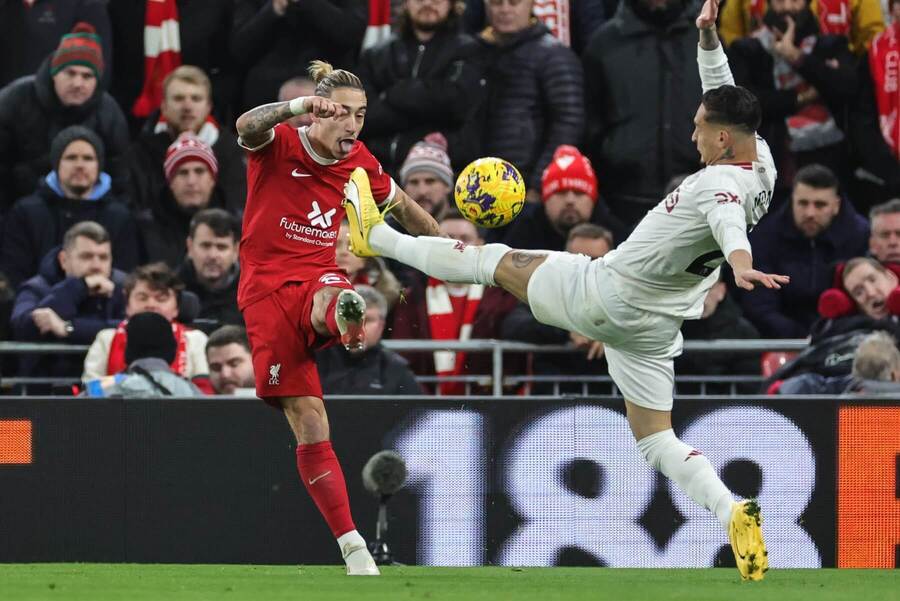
(490, 192)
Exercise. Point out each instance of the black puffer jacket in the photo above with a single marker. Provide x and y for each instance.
(417, 88)
(218, 307)
(164, 228)
(31, 116)
(643, 92)
(535, 99)
(273, 49)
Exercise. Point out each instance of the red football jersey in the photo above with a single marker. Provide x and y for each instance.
(293, 211)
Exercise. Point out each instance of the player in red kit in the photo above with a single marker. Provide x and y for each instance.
(293, 296)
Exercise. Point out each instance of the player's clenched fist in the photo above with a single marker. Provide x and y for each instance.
(322, 107)
(708, 14)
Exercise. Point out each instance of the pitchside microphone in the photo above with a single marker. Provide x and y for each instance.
(383, 475)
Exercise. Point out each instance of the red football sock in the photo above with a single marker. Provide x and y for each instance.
(322, 475)
(330, 321)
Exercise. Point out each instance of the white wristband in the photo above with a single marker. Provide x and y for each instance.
(296, 105)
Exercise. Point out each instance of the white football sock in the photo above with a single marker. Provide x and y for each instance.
(443, 258)
(690, 470)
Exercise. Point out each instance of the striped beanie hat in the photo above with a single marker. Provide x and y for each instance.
(81, 47)
(188, 147)
(430, 155)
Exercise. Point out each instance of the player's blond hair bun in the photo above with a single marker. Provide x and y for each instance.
(327, 78)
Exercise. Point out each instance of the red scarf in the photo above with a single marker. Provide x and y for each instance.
(379, 27)
(834, 17)
(554, 14)
(450, 320)
(884, 63)
(208, 134)
(162, 53)
(116, 361)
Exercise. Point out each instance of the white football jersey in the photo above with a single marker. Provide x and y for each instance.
(672, 258)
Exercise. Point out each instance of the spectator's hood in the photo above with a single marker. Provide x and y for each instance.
(101, 188)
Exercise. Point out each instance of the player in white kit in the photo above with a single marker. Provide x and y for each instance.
(635, 298)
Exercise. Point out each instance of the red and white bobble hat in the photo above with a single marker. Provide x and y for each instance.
(189, 147)
(569, 170)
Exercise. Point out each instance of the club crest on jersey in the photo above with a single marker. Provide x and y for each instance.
(318, 218)
(671, 201)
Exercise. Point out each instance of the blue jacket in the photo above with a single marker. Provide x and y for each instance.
(779, 247)
(69, 298)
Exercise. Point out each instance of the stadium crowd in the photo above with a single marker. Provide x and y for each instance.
(122, 185)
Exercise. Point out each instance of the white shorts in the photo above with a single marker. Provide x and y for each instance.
(574, 293)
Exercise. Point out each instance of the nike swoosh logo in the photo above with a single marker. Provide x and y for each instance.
(296, 173)
(319, 477)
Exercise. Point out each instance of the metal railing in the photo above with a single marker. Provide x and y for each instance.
(497, 349)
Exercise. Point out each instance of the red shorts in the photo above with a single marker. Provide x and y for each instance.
(283, 340)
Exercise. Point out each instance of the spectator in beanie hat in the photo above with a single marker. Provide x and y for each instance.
(191, 170)
(426, 175)
(76, 190)
(569, 195)
(64, 91)
(81, 47)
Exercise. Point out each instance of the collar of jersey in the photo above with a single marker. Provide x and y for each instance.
(309, 149)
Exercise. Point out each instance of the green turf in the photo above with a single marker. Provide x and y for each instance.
(102, 582)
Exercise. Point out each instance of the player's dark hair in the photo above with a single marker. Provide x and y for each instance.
(85, 229)
(327, 78)
(226, 335)
(158, 277)
(221, 222)
(816, 176)
(733, 106)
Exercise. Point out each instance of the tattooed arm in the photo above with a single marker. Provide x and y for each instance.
(255, 126)
(416, 220)
(711, 59)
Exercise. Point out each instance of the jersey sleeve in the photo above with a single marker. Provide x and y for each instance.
(714, 69)
(725, 211)
(277, 144)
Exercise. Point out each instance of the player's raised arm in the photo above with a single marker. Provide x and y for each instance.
(255, 126)
(713, 63)
(412, 216)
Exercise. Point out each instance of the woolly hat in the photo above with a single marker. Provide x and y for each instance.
(81, 47)
(149, 335)
(429, 155)
(189, 147)
(69, 135)
(569, 170)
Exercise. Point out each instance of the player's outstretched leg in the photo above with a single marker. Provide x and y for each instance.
(695, 475)
(443, 258)
(324, 480)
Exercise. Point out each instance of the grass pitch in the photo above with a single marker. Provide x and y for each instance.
(102, 582)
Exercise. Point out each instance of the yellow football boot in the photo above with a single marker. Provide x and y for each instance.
(745, 533)
(362, 212)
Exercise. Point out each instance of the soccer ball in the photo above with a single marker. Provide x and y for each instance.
(490, 192)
